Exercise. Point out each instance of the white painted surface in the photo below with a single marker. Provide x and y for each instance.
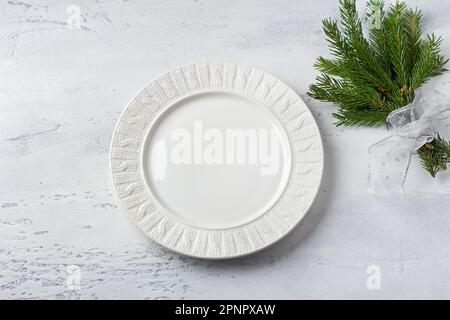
(61, 92)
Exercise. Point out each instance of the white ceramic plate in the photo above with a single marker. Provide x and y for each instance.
(216, 160)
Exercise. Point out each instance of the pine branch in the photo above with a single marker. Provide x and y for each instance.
(377, 32)
(378, 74)
(367, 78)
(397, 43)
(435, 156)
(360, 118)
(429, 62)
(413, 29)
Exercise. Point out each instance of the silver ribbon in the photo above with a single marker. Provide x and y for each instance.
(410, 128)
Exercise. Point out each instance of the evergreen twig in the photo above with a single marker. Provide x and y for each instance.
(371, 76)
(435, 156)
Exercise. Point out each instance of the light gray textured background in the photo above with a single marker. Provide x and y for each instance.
(61, 93)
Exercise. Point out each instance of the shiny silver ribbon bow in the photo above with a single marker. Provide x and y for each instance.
(410, 128)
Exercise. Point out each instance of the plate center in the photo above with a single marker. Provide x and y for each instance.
(216, 160)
